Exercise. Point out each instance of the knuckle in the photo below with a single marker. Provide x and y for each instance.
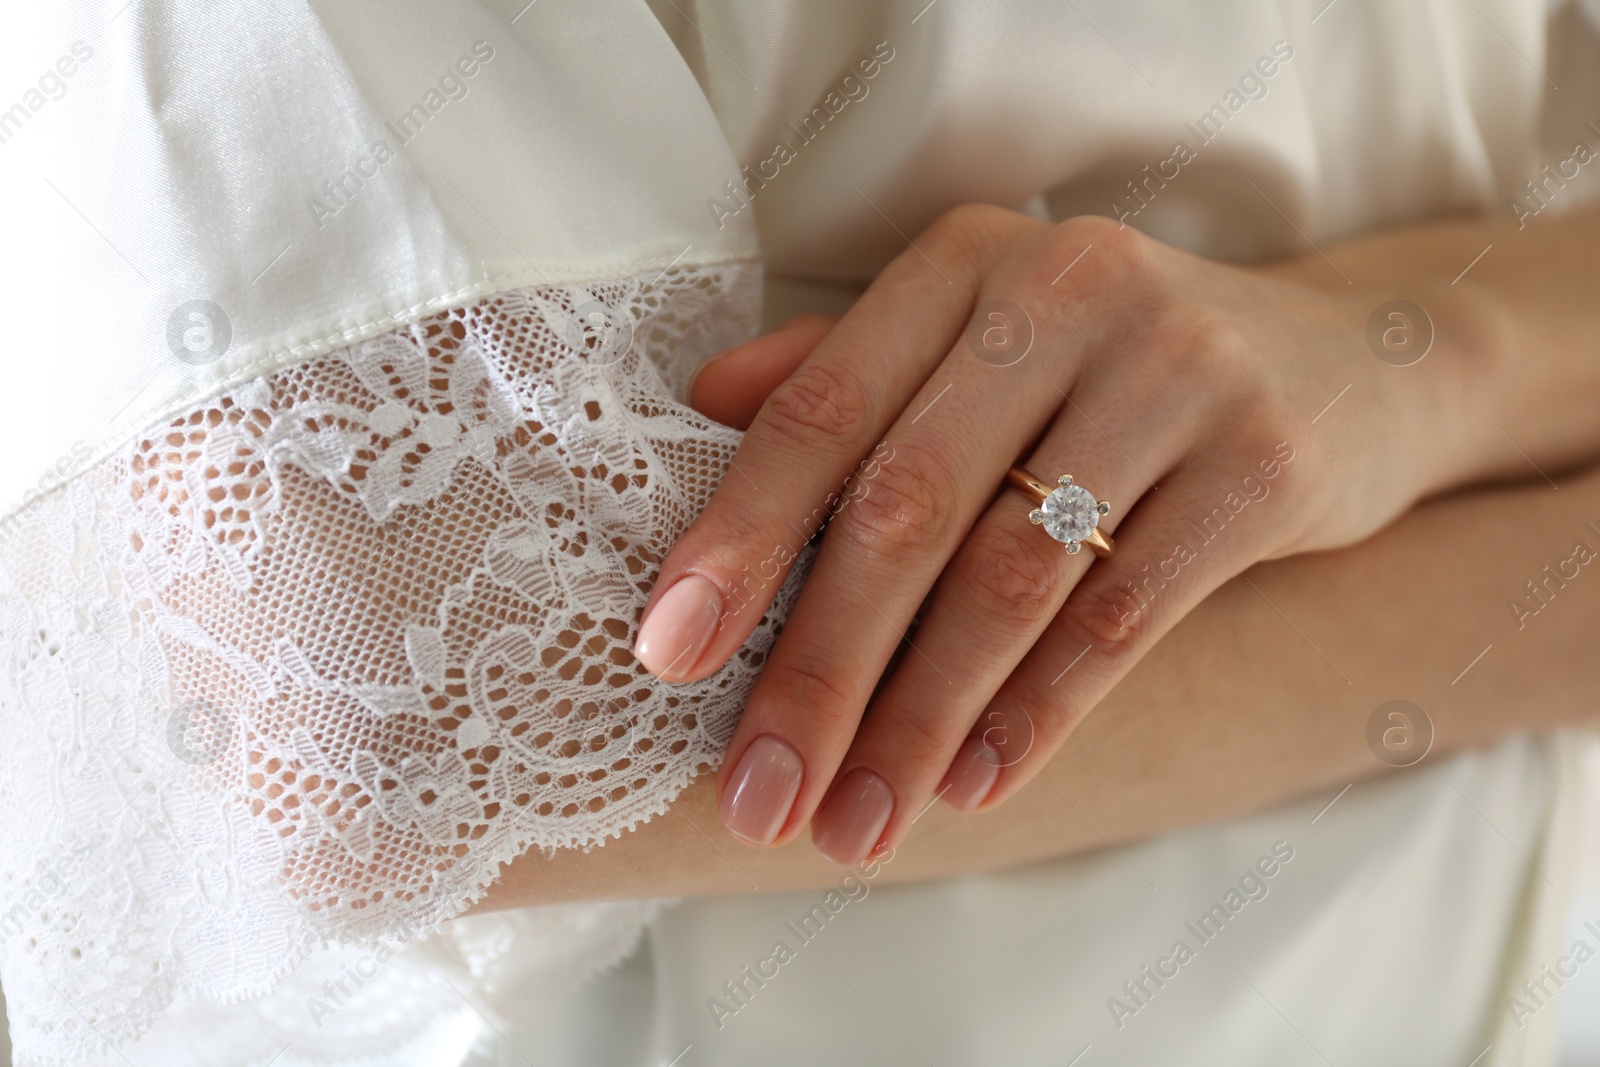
(726, 542)
(925, 736)
(1124, 271)
(1264, 420)
(1121, 252)
(1267, 412)
(1196, 341)
(1114, 614)
(1019, 725)
(1046, 723)
(1011, 575)
(819, 400)
(1212, 333)
(971, 233)
(903, 507)
(1096, 230)
(814, 691)
(972, 218)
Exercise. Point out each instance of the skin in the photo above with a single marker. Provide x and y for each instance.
(1196, 375)
(1232, 712)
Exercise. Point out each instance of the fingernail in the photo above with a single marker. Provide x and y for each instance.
(756, 803)
(971, 774)
(851, 820)
(679, 628)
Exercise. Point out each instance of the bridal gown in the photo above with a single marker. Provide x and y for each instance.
(349, 345)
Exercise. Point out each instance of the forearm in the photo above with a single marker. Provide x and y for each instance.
(1512, 382)
(1235, 710)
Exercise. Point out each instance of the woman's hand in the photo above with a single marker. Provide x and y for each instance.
(1202, 401)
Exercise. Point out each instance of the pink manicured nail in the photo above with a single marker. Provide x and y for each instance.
(851, 820)
(971, 774)
(679, 628)
(756, 803)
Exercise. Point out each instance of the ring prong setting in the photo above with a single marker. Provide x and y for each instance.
(1068, 513)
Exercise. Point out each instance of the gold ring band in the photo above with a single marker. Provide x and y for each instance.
(1068, 512)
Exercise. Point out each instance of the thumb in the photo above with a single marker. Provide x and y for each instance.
(731, 387)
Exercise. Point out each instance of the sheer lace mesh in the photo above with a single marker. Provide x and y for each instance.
(313, 658)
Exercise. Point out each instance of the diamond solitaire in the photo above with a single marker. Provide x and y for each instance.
(1069, 513)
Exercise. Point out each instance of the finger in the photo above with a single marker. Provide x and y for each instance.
(885, 550)
(999, 592)
(808, 437)
(1206, 526)
(732, 386)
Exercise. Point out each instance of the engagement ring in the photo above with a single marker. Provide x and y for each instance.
(1069, 513)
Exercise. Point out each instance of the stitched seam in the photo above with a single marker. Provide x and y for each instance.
(261, 366)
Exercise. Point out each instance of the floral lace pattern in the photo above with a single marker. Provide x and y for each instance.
(308, 662)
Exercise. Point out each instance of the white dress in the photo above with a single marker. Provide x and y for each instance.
(350, 344)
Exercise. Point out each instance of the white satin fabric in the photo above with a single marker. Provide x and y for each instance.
(206, 203)
(1409, 912)
(180, 161)
(185, 157)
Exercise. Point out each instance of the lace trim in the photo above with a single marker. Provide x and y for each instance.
(308, 662)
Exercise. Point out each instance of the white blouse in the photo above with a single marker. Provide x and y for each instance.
(354, 340)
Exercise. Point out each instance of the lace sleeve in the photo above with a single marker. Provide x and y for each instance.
(308, 662)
